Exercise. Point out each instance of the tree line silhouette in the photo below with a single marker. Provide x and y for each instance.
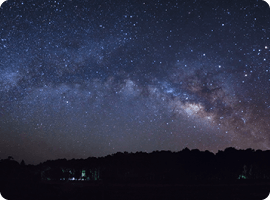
(156, 167)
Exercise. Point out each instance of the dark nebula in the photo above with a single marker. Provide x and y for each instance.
(90, 78)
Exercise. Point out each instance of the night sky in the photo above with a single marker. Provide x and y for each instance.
(91, 78)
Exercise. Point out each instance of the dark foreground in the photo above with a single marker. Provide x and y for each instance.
(105, 191)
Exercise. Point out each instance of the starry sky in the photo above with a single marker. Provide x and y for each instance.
(91, 78)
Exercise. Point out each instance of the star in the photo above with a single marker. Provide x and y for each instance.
(99, 78)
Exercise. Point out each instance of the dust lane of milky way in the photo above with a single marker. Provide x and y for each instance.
(91, 78)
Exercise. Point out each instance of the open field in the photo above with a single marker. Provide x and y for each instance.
(100, 191)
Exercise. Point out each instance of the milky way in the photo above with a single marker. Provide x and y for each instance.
(91, 78)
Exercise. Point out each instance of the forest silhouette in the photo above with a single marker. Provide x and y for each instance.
(159, 168)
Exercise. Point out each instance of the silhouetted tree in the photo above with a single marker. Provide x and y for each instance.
(10, 158)
(158, 166)
(22, 163)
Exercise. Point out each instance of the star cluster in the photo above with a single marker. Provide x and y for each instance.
(90, 78)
